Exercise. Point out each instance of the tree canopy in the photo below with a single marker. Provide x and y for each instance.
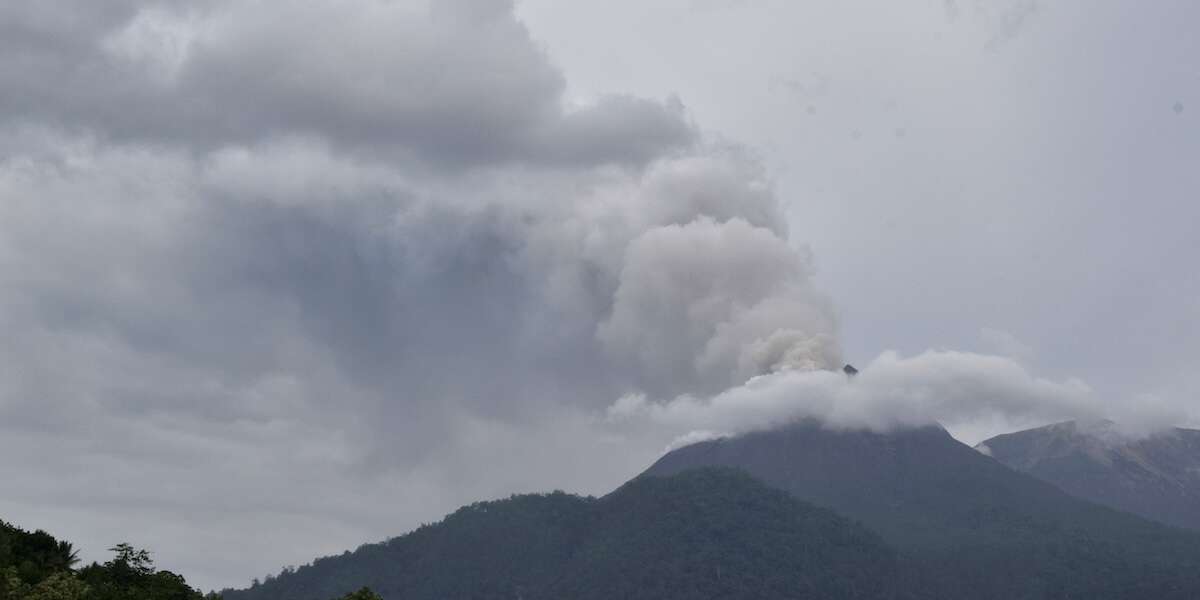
(36, 566)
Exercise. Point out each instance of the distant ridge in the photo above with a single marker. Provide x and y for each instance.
(1157, 476)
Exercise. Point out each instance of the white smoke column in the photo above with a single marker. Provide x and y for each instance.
(706, 305)
(683, 275)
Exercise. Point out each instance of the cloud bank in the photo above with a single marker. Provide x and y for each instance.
(454, 82)
(947, 387)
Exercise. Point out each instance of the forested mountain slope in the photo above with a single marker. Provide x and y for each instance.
(739, 518)
(985, 530)
(711, 533)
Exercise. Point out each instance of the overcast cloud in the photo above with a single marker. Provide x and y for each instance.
(277, 279)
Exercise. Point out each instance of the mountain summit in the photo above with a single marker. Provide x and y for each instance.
(986, 530)
(1156, 476)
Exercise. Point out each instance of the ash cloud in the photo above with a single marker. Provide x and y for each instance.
(276, 271)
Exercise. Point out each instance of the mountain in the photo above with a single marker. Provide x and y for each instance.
(709, 533)
(1157, 477)
(740, 518)
(985, 530)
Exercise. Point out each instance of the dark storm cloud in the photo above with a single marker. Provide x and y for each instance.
(461, 83)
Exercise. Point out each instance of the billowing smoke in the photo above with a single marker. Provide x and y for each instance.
(715, 304)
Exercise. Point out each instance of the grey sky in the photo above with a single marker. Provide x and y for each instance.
(277, 279)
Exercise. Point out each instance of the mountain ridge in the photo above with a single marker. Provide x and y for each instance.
(997, 533)
(1156, 476)
(929, 518)
(708, 533)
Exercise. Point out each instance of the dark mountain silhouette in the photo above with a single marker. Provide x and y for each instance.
(986, 530)
(709, 533)
(739, 518)
(1157, 477)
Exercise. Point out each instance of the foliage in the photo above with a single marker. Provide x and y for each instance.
(130, 575)
(59, 586)
(362, 594)
(33, 556)
(35, 566)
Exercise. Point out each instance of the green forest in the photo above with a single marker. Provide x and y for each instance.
(35, 565)
(707, 533)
